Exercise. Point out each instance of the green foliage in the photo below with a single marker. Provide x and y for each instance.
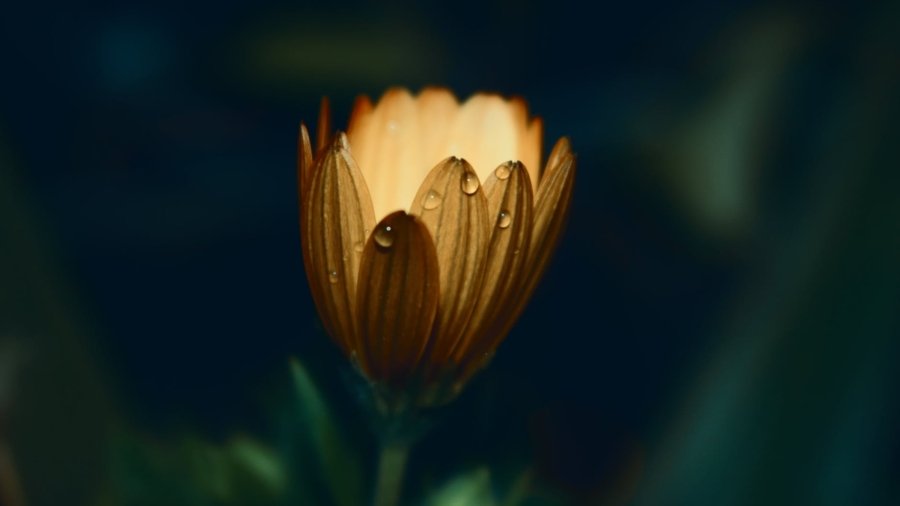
(313, 465)
(324, 457)
(470, 489)
(193, 472)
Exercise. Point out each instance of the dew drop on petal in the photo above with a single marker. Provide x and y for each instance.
(504, 219)
(384, 236)
(431, 200)
(469, 183)
(502, 172)
(332, 277)
(359, 247)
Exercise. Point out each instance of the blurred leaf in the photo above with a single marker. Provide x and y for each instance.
(519, 489)
(471, 489)
(193, 472)
(340, 467)
(254, 467)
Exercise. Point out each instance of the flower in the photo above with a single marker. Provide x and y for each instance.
(425, 229)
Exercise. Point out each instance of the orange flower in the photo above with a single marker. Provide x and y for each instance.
(419, 270)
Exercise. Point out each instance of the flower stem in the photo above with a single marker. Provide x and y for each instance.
(391, 467)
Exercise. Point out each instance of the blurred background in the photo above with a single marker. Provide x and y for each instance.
(720, 325)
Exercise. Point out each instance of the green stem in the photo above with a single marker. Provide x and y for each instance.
(391, 466)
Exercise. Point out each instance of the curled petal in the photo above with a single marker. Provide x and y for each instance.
(551, 209)
(337, 215)
(397, 298)
(453, 206)
(510, 203)
(304, 161)
(561, 150)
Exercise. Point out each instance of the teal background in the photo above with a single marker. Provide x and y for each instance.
(719, 325)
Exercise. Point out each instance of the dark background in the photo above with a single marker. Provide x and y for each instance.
(720, 322)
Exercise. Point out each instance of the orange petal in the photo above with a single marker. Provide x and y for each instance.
(397, 298)
(486, 133)
(551, 209)
(452, 205)
(531, 149)
(337, 215)
(561, 150)
(323, 130)
(362, 111)
(510, 202)
(387, 149)
(437, 107)
(304, 161)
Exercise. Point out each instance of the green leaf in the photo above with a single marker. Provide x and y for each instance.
(192, 472)
(470, 489)
(340, 467)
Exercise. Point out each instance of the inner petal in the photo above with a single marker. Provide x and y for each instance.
(398, 142)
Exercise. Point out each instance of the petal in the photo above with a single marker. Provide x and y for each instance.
(531, 150)
(436, 109)
(337, 216)
(386, 146)
(362, 111)
(529, 141)
(561, 150)
(510, 202)
(323, 129)
(453, 206)
(304, 161)
(397, 298)
(485, 133)
(551, 209)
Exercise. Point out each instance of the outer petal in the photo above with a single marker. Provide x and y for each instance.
(551, 209)
(397, 298)
(452, 205)
(304, 161)
(337, 215)
(550, 213)
(510, 202)
(561, 150)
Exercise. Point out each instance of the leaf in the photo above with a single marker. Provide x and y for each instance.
(470, 489)
(340, 467)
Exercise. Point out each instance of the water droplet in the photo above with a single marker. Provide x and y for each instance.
(359, 246)
(504, 219)
(502, 172)
(332, 277)
(469, 183)
(384, 236)
(431, 200)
